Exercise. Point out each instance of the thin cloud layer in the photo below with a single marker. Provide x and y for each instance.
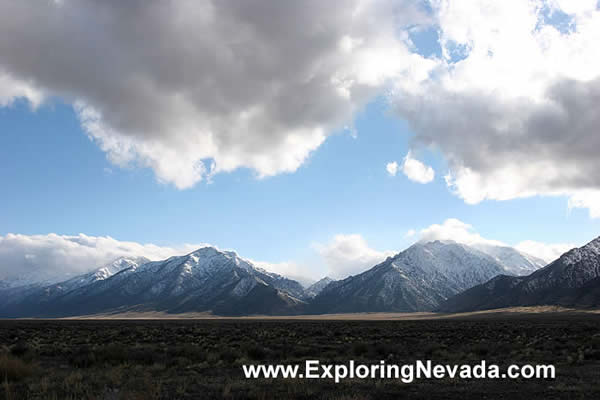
(191, 89)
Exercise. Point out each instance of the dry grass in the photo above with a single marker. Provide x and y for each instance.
(14, 369)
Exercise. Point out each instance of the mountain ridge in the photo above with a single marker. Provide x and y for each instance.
(571, 280)
(203, 280)
(419, 278)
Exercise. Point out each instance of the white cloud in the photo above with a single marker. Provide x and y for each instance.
(53, 256)
(177, 86)
(512, 101)
(416, 171)
(349, 254)
(291, 270)
(57, 257)
(545, 251)
(461, 232)
(392, 168)
(589, 199)
(578, 7)
(456, 230)
(11, 89)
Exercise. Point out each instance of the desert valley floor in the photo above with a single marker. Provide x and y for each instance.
(201, 358)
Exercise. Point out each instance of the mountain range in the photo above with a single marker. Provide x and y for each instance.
(420, 278)
(571, 280)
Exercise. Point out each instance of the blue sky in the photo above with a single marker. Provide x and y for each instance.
(276, 144)
(57, 180)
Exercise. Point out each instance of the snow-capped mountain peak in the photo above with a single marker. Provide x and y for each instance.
(206, 279)
(417, 279)
(592, 249)
(122, 263)
(317, 287)
(513, 261)
(571, 280)
(103, 273)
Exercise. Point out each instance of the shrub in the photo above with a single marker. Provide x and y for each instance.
(14, 369)
(229, 356)
(256, 352)
(189, 351)
(83, 358)
(19, 349)
(359, 349)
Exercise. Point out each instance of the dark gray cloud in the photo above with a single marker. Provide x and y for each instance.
(195, 88)
(484, 133)
(170, 84)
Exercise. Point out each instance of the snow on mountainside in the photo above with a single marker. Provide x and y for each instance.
(46, 291)
(317, 287)
(99, 274)
(103, 272)
(514, 262)
(572, 270)
(208, 279)
(417, 279)
(204, 280)
(571, 280)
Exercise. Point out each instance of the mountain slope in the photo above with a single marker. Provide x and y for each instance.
(317, 287)
(204, 280)
(44, 292)
(571, 280)
(417, 279)
(513, 261)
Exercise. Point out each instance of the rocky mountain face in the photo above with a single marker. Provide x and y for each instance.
(204, 280)
(417, 279)
(317, 287)
(571, 280)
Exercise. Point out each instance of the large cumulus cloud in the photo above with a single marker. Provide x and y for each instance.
(193, 88)
(513, 102)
